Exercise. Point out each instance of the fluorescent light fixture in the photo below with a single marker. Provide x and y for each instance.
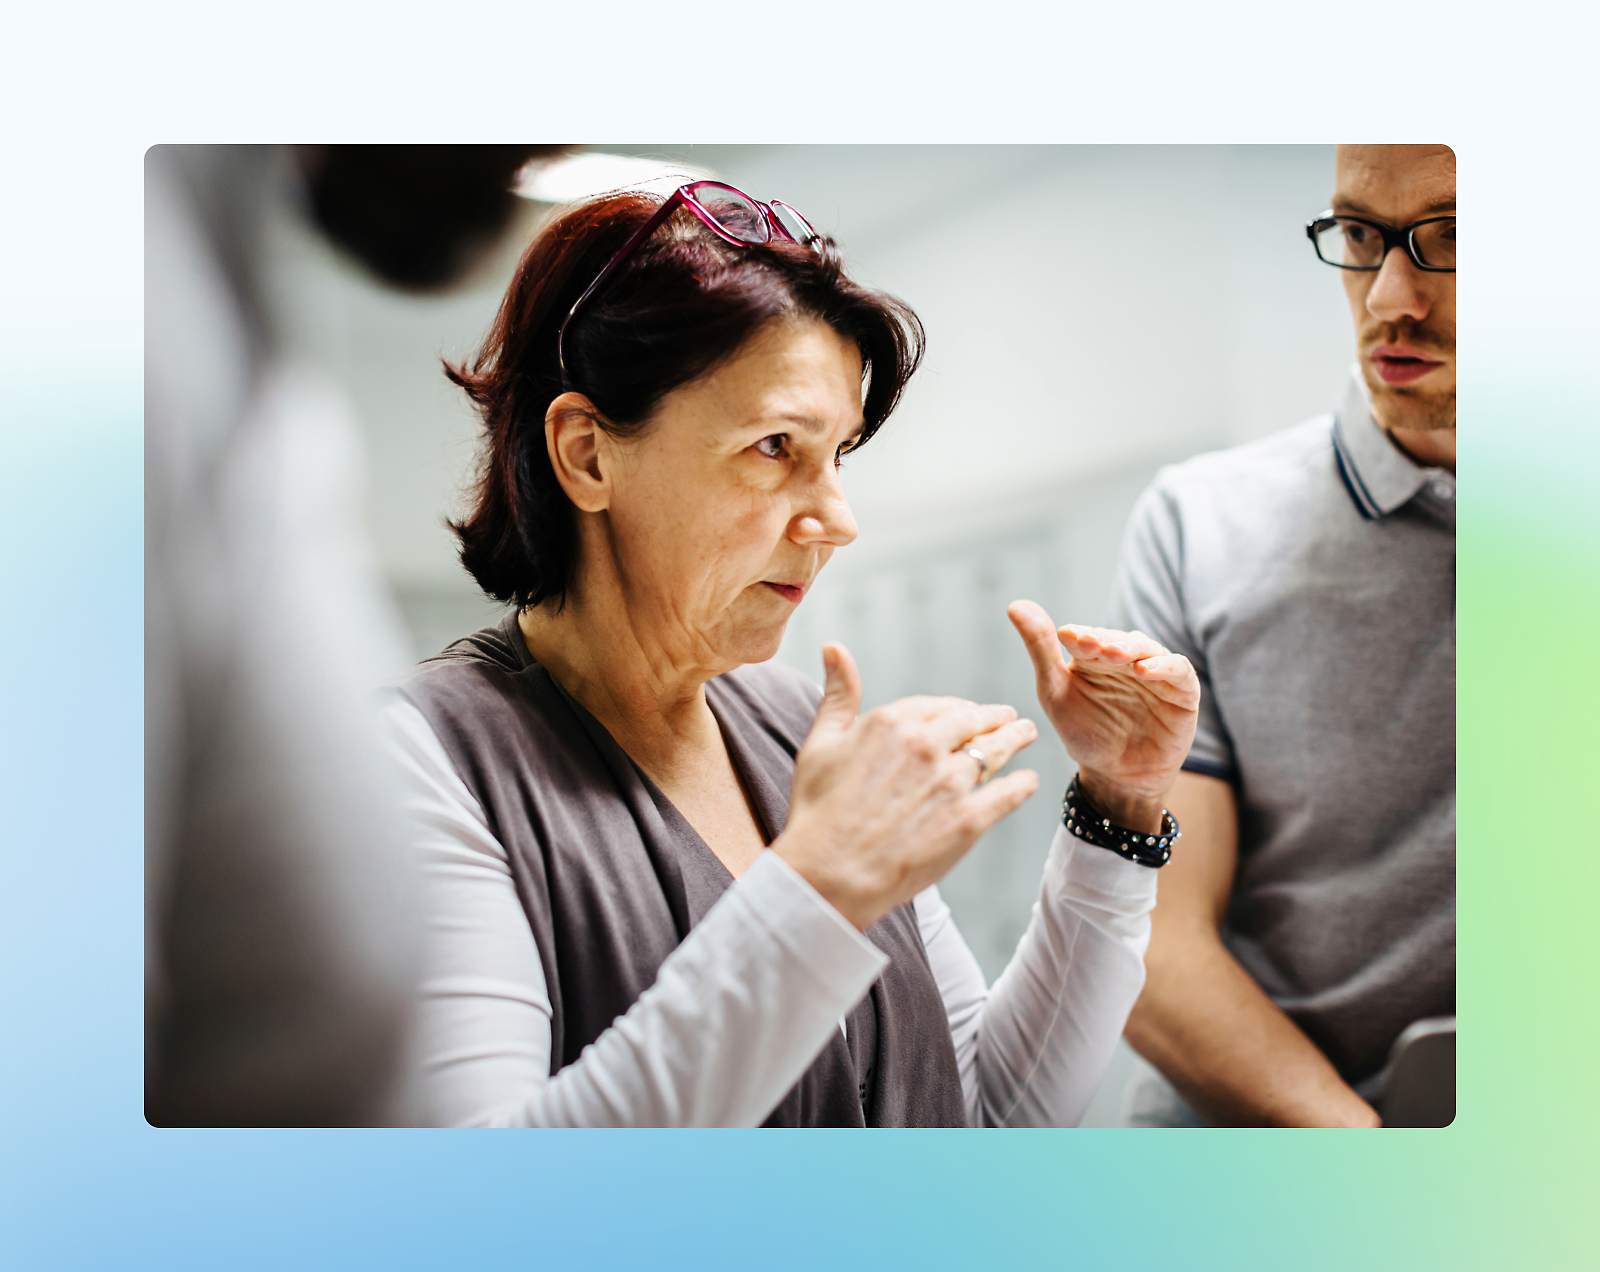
(572, 177)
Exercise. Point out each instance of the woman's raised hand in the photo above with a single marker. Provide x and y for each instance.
(884, 804)
(1124, 706)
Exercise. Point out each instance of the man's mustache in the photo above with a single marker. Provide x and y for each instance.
(1418, 335)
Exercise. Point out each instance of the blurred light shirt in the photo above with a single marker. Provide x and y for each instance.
(279, 955)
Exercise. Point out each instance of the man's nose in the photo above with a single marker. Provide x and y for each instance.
(1399, 291)
(826, 515)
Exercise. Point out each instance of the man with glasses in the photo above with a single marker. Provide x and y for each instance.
(1308, 915)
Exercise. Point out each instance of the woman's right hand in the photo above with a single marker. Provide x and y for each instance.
(885, 804)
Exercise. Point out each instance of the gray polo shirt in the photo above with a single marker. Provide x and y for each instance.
(1310, 578)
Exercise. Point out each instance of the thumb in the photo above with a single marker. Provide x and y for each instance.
(841, 698)
(1044, 646)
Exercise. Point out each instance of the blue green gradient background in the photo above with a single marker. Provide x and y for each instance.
(85, 1184)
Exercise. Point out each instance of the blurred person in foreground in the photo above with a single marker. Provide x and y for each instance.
(668, 882)
(1309, 914)
(279, 949)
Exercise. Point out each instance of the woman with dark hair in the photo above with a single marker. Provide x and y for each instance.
(670, 882)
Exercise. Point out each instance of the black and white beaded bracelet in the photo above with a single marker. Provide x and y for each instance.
(1083, 820)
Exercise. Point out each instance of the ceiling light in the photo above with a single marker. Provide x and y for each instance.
(569, 178)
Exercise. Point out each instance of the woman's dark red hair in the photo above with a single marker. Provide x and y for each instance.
(684, 303)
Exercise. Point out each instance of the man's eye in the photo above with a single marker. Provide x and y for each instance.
(772, 446)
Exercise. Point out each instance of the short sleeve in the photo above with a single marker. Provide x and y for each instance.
(1149, 596)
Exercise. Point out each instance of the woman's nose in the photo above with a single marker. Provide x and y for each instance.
(827, 517)
(1398, 291)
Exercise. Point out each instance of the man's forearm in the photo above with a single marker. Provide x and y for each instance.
(1227, 1047)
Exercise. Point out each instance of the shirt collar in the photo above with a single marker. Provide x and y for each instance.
(1378, 474)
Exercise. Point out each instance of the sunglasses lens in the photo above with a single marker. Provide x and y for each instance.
(734, 213)
(799, 228)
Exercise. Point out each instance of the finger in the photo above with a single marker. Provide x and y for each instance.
(954, 727)
(841, 698)
(1106, 644)
(1083, 644)
(999, 746)
(922, 706)
(992, 803)
(1039, 636)
(1164, 667)
(1172, 678)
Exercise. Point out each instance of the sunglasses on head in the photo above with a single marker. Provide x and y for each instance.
(729, 213)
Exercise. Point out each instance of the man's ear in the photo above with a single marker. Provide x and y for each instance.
(576, 442)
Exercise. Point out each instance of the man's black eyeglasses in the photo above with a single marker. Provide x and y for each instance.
(1353, 242)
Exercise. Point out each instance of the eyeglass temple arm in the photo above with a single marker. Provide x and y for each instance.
(628, 248)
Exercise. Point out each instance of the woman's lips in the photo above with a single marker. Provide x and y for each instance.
(791, 592)
(1401, 364)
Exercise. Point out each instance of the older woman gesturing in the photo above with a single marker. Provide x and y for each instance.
(669, 883)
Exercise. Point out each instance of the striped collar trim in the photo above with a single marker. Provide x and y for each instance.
(1378, 474)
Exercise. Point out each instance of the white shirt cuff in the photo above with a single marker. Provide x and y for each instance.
(1092, 872)
(843, 961)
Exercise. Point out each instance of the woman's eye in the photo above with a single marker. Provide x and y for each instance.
(772, 446)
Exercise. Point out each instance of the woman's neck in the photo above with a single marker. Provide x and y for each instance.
(649, 697)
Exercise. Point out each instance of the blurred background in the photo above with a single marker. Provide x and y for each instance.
(1093, 312)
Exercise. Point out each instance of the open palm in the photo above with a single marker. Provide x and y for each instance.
(1124, 706)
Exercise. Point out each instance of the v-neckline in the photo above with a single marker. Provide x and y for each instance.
(744, 773)
(764, 801)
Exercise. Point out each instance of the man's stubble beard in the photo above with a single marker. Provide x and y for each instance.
(1407, 411)
(1410, 410)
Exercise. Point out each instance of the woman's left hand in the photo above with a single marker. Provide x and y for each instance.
(1124, 706)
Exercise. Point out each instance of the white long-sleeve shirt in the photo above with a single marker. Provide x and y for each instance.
(744, 1004)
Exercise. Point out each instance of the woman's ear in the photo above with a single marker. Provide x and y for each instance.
(576, 443)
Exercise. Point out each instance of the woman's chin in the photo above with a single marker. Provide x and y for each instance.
(756, 645)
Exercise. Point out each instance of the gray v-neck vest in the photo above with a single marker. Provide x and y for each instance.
(611, 876)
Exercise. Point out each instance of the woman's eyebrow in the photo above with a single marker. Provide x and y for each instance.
(806, 423)
(803, 423)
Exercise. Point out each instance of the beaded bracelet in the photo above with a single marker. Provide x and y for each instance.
(1083, 820)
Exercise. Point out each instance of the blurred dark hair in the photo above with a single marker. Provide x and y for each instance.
(417, 216)
(685, 302)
